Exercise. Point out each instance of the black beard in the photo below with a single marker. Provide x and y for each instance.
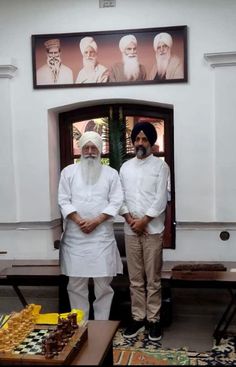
(54, 60)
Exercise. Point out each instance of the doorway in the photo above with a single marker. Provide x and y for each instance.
(114, 122)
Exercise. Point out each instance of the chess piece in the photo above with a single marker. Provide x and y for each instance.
(68, 328)
(50, 346)
(5, 341)
(64, 329)
(73, 318)
(59, 341)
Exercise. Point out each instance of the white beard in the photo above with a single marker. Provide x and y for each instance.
(131, 67)
(89, 64)
(162, 63)
(142, 152)
(91, 169)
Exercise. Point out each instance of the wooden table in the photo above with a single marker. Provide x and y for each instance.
(98, 349)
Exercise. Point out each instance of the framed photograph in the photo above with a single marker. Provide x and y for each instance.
(126, 57)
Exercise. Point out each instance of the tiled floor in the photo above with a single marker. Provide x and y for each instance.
(195, 313)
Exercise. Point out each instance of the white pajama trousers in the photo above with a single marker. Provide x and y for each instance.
(79, 296)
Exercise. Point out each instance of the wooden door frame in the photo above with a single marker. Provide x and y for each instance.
(66, 119)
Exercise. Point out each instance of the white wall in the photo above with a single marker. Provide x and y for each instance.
(204, 121)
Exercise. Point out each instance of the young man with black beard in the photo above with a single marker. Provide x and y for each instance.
(144, 179)
(89, 197)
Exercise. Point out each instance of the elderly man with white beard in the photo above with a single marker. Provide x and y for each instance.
(92, 71)
(54, 71)
(129, 69)
(167, 66)
(89, 197)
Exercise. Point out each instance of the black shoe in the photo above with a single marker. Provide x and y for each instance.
(133, 329)
(154, 331)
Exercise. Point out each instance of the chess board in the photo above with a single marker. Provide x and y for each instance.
(32, 344)
(29, 351)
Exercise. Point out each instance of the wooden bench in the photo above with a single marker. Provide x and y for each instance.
(208, 279)
(36, 273)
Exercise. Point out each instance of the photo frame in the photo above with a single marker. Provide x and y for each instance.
(107, 58)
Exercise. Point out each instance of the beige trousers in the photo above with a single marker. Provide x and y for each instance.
(144, 259)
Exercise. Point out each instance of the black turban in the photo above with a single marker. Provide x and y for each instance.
(148, 129)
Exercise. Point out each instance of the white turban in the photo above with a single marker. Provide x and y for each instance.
(126, 40)
(162, 37)
(86, 42)
(93, 137)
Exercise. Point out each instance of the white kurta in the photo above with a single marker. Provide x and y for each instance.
(97, 75)
(94, 254)
(45, 75)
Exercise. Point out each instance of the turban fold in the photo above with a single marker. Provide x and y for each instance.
(93, 137)
(148, 129)
(162, 37)
(86, 42)
(52, 43)
(126, 40)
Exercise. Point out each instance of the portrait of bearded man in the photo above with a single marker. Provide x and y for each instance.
(166, 66)
(54, 71)
(92, 71)
(129, 69)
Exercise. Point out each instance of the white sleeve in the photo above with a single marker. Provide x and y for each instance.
(115, 196)
(64, 195)
(124, 208)
(159, 203)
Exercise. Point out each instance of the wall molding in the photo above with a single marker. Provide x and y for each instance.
(206, 226)
(7, 67)
(30, 226)
(220, 59)
(48, 225)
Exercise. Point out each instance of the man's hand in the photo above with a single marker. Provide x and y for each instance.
(88, 225)
(75, 217)
(138, 225)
